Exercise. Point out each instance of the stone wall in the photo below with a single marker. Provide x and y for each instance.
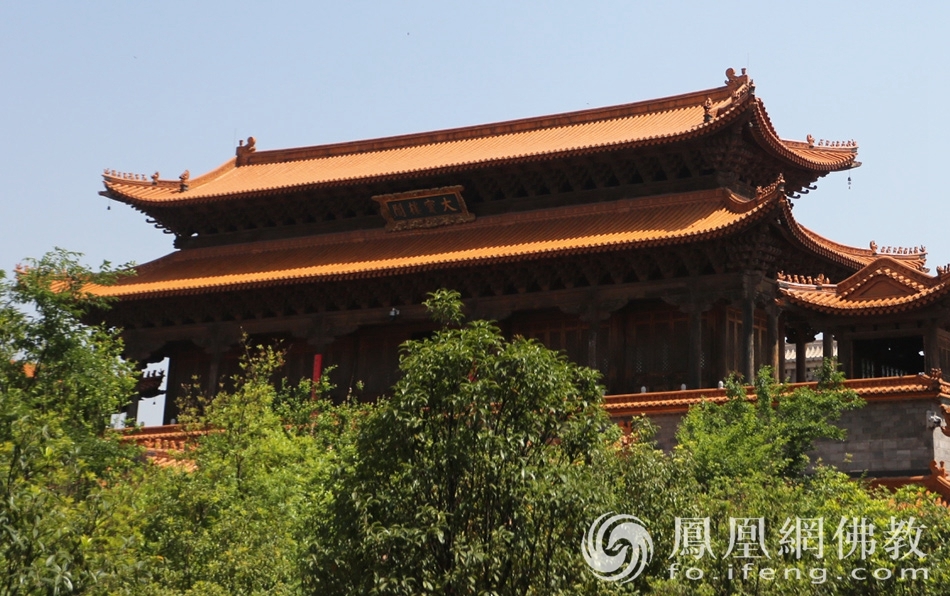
(666, 430)
(884, 439)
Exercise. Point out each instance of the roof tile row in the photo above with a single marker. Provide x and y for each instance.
(885, 285)
(639, 124)
(888, 388)
(667, 219)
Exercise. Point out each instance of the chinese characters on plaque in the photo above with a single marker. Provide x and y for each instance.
(424, 208)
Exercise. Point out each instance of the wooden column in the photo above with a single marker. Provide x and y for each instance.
(748, 339)
(172, 391)
(750, 290)
(801, 355)
(827, 344)
(781, 348)
(723, 366)
(211, 387)
(142, 347)
(217, 340)
(694, 304)
(695, 364)
(931, 346)
(615, 353)
(846, 355)
(592, 329)
(775, 343)
(593, 319)
(800, 335)
(132, 409)
(594, 313)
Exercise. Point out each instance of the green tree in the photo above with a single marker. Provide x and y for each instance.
(229, 520)
(656, 487)
(748, 460)
(771, 434)
(833, 498)
(478, 476)
(66, 521)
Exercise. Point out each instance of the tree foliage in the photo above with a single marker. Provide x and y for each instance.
(65, 485)
(827, 495)
(747, 460)
(770, 435)
(479, 474)
(476, 476)
(232, 523)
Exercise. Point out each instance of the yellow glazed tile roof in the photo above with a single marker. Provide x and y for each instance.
(645, 123)
(885, 285)
(673, 402)
(856, 258)
(434, 156)
(650, 221)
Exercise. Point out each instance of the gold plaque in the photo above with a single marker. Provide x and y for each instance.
(424, 208)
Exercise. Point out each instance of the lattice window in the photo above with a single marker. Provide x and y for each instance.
(733, 340)
(657, 342)
(760, 339)
(564, 333)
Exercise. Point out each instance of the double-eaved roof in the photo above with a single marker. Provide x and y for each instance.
(665, 219)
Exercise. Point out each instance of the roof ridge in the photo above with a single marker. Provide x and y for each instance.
(723, 99)
(891, 268)
(847, 147)
(494, 129)
(766, 133)
(113, 177)
(846, 255)
(642, 124)
(249, 161)
(924, 290)
(852, 250)
(874, 306)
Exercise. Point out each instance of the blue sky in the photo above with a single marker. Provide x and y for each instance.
(171, 86)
